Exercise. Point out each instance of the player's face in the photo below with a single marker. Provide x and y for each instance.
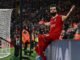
(53, 10)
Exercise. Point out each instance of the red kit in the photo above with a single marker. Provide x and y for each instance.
(56, 25)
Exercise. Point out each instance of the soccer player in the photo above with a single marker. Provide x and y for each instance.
(56, 25)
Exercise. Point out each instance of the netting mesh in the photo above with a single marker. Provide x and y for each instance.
(5, 18)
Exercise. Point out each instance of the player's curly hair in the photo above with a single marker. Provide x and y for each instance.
(54, 5)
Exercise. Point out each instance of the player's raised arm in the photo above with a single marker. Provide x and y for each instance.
(64, 17)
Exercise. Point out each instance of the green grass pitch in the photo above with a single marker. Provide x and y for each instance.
(11, 56)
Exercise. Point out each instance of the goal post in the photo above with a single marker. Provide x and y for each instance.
(5, 22)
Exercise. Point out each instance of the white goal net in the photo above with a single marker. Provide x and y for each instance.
(5, 18)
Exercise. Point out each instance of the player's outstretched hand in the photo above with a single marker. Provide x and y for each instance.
(73, 6)
(41, 22)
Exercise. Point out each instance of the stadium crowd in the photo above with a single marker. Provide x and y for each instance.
(34, 11)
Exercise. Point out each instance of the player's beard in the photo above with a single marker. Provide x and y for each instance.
(53, 14)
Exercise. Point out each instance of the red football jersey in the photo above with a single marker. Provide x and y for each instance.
(56, 25)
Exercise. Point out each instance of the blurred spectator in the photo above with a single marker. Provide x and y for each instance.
(25, 38)
(77, 34)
